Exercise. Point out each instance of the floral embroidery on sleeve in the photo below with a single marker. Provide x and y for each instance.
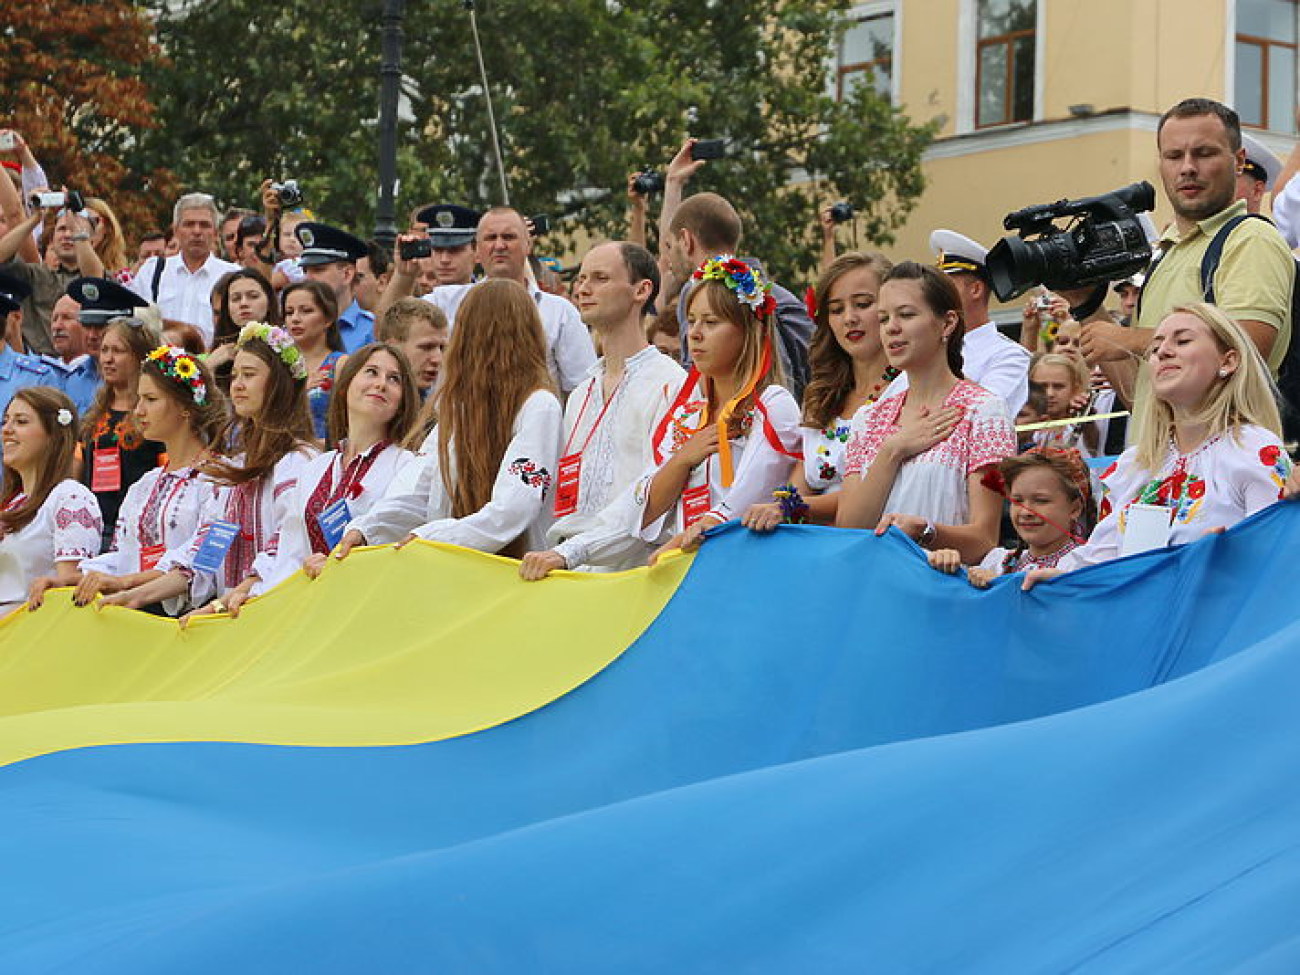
(531, 474)
(1275, 457)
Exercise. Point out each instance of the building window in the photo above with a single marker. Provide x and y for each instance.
(1004, 61)
(867, 55)
(1265, 81)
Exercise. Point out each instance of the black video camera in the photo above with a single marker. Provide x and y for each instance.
(289, 192)
(1107, 243)
(648, 182)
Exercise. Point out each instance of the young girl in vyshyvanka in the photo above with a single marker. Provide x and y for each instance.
(179, 407)
(1050, 494)
(919, 460)
(271, 444)
(850, 372)
(731, 434)
(1208, 451)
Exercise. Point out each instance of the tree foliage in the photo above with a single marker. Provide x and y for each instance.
(585, 91)
(70, 83)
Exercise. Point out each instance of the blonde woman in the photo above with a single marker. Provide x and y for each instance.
(1209, 446)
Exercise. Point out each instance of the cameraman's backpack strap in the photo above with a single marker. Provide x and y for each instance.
(1214, 253)
(158, 263)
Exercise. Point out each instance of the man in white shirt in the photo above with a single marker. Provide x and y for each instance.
(182, 285)
(503, 246)
(989, 358)
(609, 420)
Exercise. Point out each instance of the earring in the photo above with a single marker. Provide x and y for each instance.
(1223, 373)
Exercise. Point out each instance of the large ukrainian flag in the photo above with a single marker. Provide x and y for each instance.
(801, 753)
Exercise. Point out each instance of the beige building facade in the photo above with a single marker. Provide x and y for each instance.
(1045, 99)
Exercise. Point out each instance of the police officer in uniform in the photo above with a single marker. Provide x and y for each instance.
(330, 255)
(17, 370)
(451, 231)
(101, 301)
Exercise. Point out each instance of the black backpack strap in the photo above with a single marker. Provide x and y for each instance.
(158, 263)
(1214, 253)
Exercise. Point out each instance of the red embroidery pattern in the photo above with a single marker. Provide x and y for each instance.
(531, 474)
(981, 438)
(64, 518)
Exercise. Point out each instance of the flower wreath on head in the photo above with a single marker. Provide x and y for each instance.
(281, 343)
(748, 283)
(179, 365)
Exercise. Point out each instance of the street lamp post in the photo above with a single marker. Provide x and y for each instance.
(390, 82)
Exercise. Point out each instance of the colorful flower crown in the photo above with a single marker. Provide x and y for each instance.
(179, 365)
(747, 282)
(281, 343)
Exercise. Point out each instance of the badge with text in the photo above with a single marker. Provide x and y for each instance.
(566, 485)
(333, 520)
(149, 556)
(695, 504)
(221, 535)
(106, 470)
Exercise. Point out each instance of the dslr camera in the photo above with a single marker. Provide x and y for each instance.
(289, 193)
(841, 212)
(71, 200)
(648, 182)
(1104, 242)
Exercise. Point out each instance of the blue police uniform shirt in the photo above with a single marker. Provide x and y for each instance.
(18, 371)
(357, 327)
(78, 380)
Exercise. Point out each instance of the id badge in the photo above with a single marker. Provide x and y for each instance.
(216, 543)
(106, 470)
(695, 504)
(150, 555)
(1146, 526)
(333, 520)
(566, 485)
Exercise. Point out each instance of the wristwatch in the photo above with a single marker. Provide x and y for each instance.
(927, 535)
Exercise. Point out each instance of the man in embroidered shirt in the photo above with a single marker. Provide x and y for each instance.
(609, 420)
(182, 285)
(1201, 156)
(330, 255)
(503, 246)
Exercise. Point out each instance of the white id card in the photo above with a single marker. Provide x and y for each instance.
(1146, 526)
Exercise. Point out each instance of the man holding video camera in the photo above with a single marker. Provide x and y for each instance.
(1201, 156)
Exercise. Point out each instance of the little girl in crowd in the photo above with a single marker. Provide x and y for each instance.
(1065, 382)
(48, 521)
(1209, 450)
(1051, 510)
(732, 431)
(180, 409)
(850, 372)
(486, 467)
(919, 458)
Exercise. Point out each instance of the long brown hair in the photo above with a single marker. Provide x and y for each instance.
(757, 332)
(496, 359)
(112, 249)
(207, 418)
(941, 297)
(831, 367)
(407, 410)
(140, 339)
(322, 296)
(282, 425)
(226, 330)
(56, 462)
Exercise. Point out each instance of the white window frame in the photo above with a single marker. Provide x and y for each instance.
(876, 8)
(1230, 62)
(968, 41)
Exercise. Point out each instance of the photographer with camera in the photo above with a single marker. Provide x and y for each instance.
(182, 285)
(1201, 156)
(828, 218)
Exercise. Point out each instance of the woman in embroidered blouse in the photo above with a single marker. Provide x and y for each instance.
(849, 373)
(48, 522)
(180, 408)
(376, 402)
(496, 398)
(732, 431)
(271, 445)
(1209, 445)
(311, 317)
(919, 459)
(115, 455)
